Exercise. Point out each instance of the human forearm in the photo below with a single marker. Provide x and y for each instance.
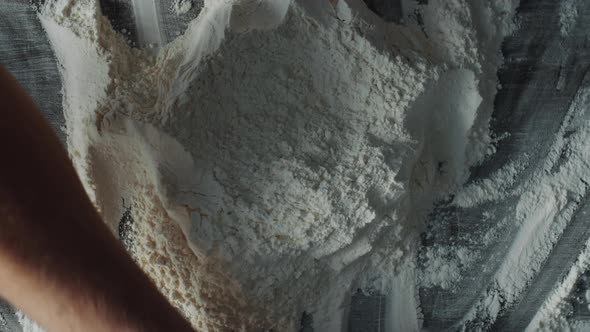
(58, 261)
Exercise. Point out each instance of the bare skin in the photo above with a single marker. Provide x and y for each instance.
(58, 261)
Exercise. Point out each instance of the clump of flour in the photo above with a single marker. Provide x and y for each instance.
(182, 6)
(269, 171)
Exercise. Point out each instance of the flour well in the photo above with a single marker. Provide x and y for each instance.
(279, 154)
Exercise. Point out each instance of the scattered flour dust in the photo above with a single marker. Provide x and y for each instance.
(568, 14)
(446, 265)
(547, 201)
(551, 315)
(279, 153)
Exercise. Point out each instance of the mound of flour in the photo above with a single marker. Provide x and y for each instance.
(278, 154)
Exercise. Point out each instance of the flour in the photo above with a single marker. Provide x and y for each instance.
(548, 201)
(550, 316)
(27, 324)
(445, 270)
(493, 188)
(571, 171)
(182, 6)
(278, 153)
(258, 14)
(568, 14)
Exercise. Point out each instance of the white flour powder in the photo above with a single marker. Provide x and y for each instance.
(182, 6)
(568, 14)
(294, 147)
